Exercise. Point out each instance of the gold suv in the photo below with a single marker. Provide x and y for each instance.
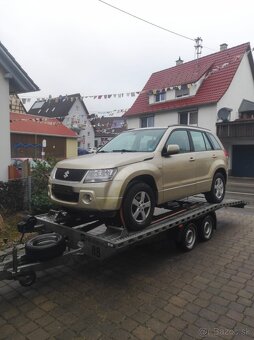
(139, 170)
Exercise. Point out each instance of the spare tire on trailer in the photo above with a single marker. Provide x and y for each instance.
(45, 247)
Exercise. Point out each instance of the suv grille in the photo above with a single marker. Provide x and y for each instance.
(74, 175)
(64, 193)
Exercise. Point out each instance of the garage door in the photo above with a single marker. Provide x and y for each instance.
(243, 161)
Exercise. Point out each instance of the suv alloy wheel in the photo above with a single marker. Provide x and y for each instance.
(217, 192)
(138, 206)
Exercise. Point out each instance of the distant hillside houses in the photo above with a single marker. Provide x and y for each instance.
(106, 128)
(72, 112)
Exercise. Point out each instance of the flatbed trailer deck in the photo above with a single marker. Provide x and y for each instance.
(90, 237)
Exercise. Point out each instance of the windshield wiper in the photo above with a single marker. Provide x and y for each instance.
(124, 150)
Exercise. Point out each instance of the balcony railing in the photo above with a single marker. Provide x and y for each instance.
(236, 129)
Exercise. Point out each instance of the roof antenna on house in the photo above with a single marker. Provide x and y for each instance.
(198, 47)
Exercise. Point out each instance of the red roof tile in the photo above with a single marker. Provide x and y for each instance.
(30, 124)
(219, 69)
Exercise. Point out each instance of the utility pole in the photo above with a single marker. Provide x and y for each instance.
(198, 47)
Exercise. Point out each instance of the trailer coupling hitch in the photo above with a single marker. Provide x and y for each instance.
(27, 225)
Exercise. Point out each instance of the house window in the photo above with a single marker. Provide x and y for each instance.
(88, 133)
(147, 121)
(183, 91)
(160, 97)
(188, 118)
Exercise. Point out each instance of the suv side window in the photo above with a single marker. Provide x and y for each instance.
(179, 137)
(207, 142)
(198, 141)
(214, 142)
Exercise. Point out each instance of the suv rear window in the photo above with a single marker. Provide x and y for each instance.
(214, 142)
(198, 141)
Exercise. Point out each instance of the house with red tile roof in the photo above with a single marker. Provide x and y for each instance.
(106, 128)
(72, 112)
(198, 92)
(29, 131)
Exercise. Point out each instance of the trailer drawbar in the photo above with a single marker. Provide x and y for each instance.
(61, 235)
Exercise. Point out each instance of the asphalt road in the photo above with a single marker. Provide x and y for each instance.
(242, 189)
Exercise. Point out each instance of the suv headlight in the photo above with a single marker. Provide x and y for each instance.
(100, 175)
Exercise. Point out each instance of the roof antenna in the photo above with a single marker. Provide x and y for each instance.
(198, 46)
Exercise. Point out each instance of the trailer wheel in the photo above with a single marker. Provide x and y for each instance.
(138, 206)
(27, 279)
(188, 237)
(206, 228)
(45, 247)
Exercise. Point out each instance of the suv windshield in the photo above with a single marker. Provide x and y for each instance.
(143, 140)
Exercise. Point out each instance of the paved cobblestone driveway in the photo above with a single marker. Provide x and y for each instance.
(149, 292)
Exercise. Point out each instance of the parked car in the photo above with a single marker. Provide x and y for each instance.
(140, 169)
(82, 152)
(92, 150)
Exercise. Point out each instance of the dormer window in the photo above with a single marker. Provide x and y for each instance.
(182, 91)
(160, 96)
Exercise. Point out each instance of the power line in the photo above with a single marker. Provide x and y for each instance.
(146, 21)
(151, 23)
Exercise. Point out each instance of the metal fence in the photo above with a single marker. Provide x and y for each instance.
(15, 195)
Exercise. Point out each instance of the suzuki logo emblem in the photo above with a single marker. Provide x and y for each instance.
(66, 174)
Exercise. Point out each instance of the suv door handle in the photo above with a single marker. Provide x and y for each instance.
(191, 159)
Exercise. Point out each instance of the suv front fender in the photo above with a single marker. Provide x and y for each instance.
(140, 172)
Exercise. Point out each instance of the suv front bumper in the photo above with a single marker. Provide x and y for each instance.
(99, 196)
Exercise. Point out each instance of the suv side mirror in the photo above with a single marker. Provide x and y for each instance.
(172, 149)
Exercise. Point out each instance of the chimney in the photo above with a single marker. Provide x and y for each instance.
(179, 61)
(223, 47)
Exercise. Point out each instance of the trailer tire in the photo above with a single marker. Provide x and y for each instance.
(188, 237)
(206, 227)
(45, 247)
(27, 279)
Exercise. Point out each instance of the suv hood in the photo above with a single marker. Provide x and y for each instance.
(104, 160)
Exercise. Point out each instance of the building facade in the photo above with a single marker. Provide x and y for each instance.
(195, 92)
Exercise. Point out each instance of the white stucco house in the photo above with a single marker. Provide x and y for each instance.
(72, 112)
(13, 79)
(197, 92)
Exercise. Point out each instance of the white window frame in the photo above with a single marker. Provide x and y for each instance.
(189, 113)
(149, 121)
(184, 91)
(160, 97)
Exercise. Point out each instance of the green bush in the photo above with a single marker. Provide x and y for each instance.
(40, 202)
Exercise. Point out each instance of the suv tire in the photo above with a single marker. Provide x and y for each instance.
(217, 192)
(138, 206)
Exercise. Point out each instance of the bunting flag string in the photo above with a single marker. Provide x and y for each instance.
(26, 99)
(115, 95)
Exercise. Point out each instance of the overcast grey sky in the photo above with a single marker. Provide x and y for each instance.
(89, 48)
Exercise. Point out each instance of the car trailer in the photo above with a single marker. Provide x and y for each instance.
(63, 235)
